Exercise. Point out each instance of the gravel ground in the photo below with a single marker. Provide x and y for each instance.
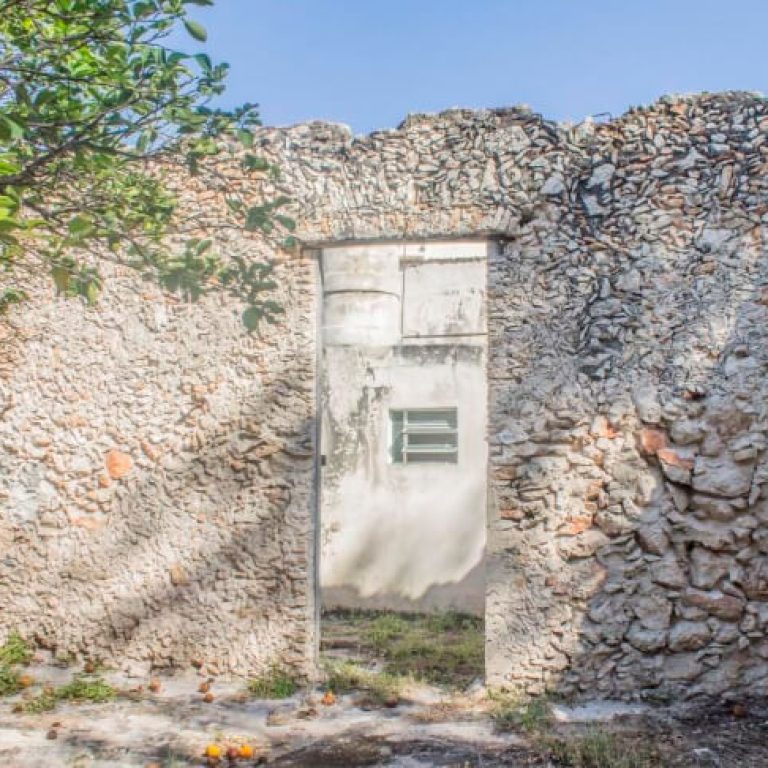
(171, 727)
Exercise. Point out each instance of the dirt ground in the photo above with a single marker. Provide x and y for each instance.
(407, 695)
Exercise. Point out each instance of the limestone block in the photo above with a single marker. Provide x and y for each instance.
(722, 606)
(721, 476)
(668, 572)
(646, 640)
(583, 544)
(645, 397)
(707, 567)
(689, 636)
(755, 580)
(653, 610)
(683, 666)
(687, 431)
(653, 538)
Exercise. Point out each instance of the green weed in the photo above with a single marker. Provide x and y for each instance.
(9, 680)
(86, 688)
(383, 630)
(598, 748)
(274, 684)
(510, 712)
(80, 689)
(43, 702)
(15, 650)
(346, 677)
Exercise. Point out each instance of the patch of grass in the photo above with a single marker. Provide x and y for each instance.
(9, 680)
(511, 712)
(15, 650)
(43, 702)
(274, 684)
(80, 689)
(346, 677)
(598, 748)
(86, 688)
(445, 648)
(383, 630)
(453, 621)
(449, 661)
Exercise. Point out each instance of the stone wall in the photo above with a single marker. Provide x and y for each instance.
(628, 307)
(157, 476)
(628, 415)
(627, 424)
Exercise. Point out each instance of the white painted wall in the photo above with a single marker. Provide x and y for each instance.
(404, 327)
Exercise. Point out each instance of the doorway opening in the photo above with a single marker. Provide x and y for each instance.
(403, 404)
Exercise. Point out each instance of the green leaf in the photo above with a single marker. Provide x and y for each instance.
(8, 167)
(92, 292)
(253, 163)
(61, 278)
(80, 225)
(286, 221)
(10, 130)
(251, 318)
(204, 60)
(245, 137)
(196, 30)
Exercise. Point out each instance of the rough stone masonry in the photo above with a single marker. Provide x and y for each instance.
(157, 470)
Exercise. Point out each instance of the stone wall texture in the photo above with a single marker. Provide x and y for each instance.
(156, 477)
(628, 306)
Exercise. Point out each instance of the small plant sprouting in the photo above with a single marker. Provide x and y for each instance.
(82, 688)
(273, 684)
(15, 650)
(510, 711)
(598, 748)
(380, 687)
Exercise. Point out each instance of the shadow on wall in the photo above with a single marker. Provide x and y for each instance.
(203, 557)
(630, 560)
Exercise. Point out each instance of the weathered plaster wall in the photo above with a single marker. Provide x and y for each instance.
(156, 477)
(404, 327)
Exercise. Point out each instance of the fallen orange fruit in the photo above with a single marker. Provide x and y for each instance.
(26, 680)
(246, 751)
(329, 698)
(213, 751)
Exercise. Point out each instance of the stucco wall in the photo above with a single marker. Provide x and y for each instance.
(402, 536)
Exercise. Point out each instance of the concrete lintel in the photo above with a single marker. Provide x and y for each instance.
(319, 245)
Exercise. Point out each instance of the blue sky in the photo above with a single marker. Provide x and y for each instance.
(368, 63)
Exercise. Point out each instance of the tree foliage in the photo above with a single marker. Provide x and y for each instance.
(91, 96)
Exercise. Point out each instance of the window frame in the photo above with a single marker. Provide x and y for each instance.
(404, 454)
